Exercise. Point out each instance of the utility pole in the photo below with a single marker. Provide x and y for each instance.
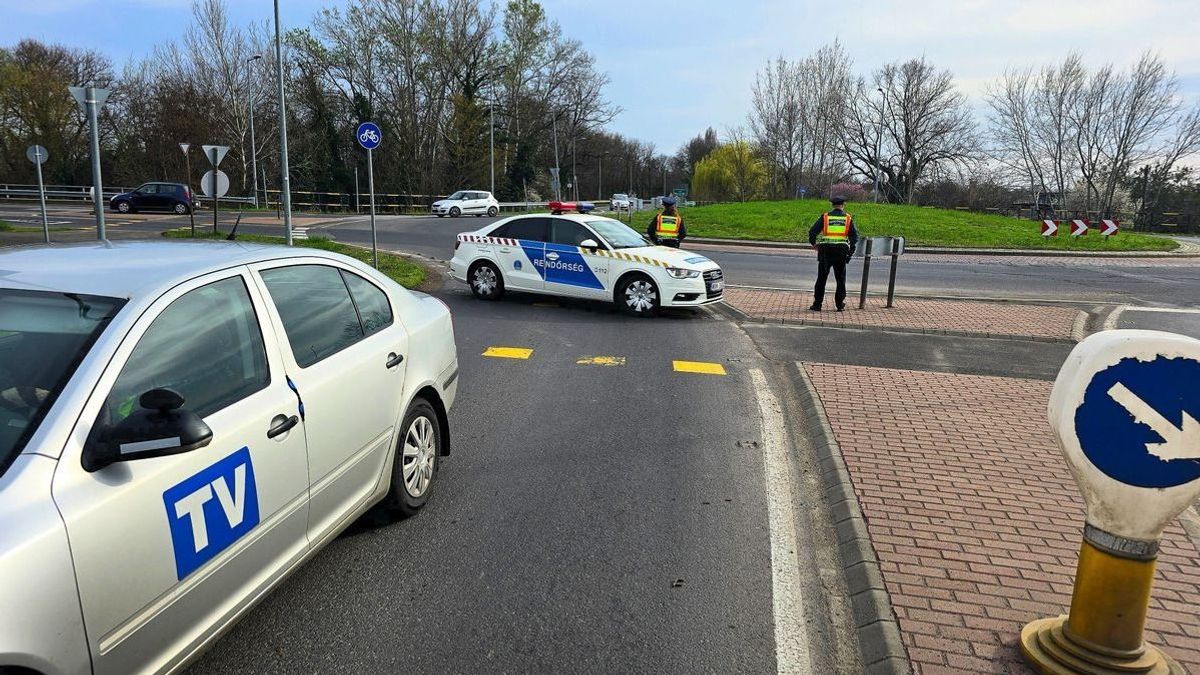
(285, 183)
(879, 142)
(557, 171)
(253, 147)
(492, 142)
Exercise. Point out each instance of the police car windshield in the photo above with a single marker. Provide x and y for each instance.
(43, 337)
(617, 234)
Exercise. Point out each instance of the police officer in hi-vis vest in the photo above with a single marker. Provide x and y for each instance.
(835, 238)
(667, 228)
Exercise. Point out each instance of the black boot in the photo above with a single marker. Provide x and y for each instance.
(815, 308)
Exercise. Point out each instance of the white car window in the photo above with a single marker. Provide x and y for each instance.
(372, 303)
(207, 346)
(458, 196)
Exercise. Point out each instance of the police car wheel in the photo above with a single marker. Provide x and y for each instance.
(486, 282)
(455, 212)
(638, 295)
(416, 463)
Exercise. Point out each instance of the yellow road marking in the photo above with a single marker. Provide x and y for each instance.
(508, 352)
(601, 361)
(701, 367)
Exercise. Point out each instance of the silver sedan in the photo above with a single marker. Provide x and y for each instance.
(183, 424)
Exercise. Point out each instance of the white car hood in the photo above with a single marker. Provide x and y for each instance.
(673, 257)
(445, 202)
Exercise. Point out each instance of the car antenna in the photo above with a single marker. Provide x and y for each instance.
(233, 233)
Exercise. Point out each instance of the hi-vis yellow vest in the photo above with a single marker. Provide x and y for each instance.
(835, 229)
(667, 226)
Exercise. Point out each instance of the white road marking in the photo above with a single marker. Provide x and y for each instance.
(1114, 317)
(787, 597)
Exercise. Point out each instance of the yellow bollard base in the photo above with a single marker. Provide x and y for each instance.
(1052, 652)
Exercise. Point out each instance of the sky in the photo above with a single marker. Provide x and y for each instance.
(676, 68)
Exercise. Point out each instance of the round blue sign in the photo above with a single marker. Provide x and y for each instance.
(369, 135)
(1138, 421)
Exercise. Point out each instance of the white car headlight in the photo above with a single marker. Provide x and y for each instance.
(680, 273)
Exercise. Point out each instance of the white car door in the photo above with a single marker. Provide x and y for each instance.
(167, 549)
(521, 263)
(478, 202)
(346, 358)
(568, 271)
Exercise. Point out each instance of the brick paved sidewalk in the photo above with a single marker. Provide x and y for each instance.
(954, 317)
(974, 516)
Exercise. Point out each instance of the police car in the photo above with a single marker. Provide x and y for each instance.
(182, 424)
(583, 256)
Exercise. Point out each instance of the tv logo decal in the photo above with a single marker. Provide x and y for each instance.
(209, 511)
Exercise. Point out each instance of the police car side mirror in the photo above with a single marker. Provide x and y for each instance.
(589, 243)
(161, 427)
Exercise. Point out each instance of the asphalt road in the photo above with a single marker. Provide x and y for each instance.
(622, 518)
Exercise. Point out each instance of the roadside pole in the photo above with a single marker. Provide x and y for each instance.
(215, 182)
(285, 181)
(862, 291)
(188, 182)
(91, 99)
(37, 154)
(357, 205)
(369, 136)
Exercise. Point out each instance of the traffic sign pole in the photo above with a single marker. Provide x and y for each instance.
(1124, 409)
(213, 183)
(42, 201)
(371, 188)
(90, 99)
(37, 154)
(369, 137)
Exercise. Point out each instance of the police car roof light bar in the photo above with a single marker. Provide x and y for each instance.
(558, 208)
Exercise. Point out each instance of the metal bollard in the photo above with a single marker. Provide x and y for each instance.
(862, 291)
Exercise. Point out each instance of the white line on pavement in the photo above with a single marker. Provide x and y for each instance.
(787, 598)
(1114, 317)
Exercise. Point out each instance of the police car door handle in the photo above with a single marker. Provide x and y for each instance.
(394, 360)
(281, 425)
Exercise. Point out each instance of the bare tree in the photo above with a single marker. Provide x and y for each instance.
(925, 124)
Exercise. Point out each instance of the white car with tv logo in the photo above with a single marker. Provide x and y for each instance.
(182, 424)
(583, 256)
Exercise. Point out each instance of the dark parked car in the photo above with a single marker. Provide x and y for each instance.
(175, 197)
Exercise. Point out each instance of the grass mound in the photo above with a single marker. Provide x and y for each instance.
(921, 226)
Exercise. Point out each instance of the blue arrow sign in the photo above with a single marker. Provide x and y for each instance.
(1138, 421)
(369, 135)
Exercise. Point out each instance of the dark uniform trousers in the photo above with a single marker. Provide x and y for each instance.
(833, 256)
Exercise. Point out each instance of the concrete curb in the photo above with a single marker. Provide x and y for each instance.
(879, 638)
(1185, 251)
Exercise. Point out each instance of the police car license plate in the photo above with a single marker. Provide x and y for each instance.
(716, 285)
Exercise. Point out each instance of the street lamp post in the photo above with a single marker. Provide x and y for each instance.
(253, 146)
(879, 142)
(285, 184)
(492, 142)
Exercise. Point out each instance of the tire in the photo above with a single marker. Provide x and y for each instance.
(486, 281)
(638, 295)
(181, 208)
(123, 207)
(455, 212)
(493, 211)
(415, 466)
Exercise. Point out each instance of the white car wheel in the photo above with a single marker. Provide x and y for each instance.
(455, 212)
(492, 211)
(417, 457)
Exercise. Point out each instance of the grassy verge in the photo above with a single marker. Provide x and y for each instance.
(790, 220)
(402, 270)
(5, 226)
